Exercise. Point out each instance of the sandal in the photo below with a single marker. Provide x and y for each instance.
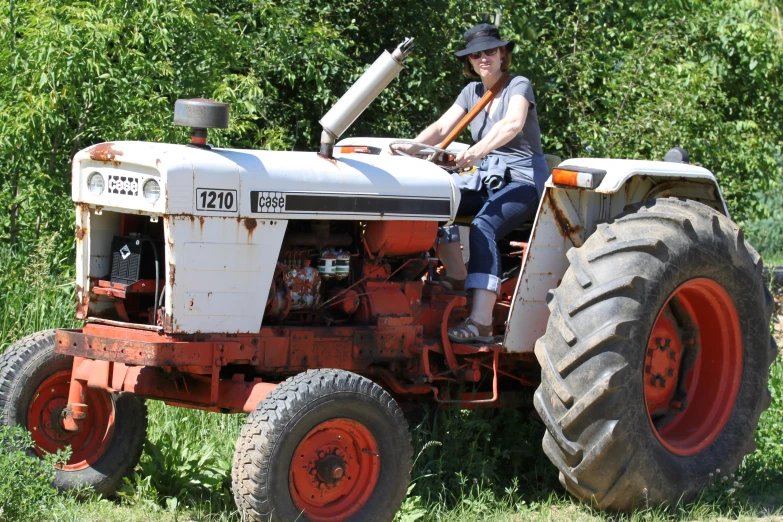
(471, 332)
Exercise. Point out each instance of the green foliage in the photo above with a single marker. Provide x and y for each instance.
(495, 452)
(26, 491)
(36, 289)
(616, 78)
(187, 458)
(763, 470)
(766, 233)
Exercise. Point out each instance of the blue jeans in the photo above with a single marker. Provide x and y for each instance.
(497, 215)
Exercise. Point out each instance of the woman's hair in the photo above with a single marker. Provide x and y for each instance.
(505, 64)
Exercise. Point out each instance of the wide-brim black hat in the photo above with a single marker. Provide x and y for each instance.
(482, 37)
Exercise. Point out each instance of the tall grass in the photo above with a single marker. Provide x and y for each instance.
(470, 465)
(37, 290)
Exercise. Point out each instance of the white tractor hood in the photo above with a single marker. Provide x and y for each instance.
(256, 183)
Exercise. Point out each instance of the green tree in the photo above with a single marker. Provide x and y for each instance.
(615, 78)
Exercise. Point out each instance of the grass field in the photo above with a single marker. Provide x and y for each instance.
(471, 465)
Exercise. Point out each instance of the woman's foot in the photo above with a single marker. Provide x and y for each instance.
(471, 332)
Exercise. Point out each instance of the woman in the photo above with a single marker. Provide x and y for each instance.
(507, 149)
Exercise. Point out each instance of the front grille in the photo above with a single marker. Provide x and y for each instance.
(124, 185)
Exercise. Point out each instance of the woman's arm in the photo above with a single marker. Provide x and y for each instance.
(435, 133)
(500, 134)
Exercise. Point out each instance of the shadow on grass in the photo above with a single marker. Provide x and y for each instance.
(497, 452)
(489, 465)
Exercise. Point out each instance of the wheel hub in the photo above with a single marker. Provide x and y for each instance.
(334, 470)
(693, 366)
(44, 421)
(661, 370)
(331, 468)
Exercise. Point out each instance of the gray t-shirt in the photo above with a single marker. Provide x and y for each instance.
(523, 153)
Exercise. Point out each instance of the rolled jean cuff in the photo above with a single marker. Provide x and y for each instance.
(483, 281)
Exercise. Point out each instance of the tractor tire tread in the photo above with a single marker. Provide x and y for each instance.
(584, 369)
(34, 351)
(267, 424)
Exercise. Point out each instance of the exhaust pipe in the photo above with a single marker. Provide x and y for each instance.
(361, 94)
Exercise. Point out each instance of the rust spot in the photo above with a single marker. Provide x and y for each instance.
(157, 162)
(333, 161)
(201, 223)
(80, 232)
(172, 271)
(105, 152)
(250, 224)
(82, 303)
(562, 220)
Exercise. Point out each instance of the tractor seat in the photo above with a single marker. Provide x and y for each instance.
(552, 161)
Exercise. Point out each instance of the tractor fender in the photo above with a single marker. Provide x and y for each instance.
(567, 216)
(633, 181)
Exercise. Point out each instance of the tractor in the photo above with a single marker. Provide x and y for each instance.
(298, 287)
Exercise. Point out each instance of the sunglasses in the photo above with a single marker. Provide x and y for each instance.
(488, 52)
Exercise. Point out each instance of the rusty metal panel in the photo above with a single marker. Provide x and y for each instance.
(140, 353)
(543, 267)
(124, 167)
(82, 261)
(219, 272)
(383, 344)
(302, 353)
(276, 352)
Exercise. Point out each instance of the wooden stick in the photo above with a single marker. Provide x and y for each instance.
(483, 102)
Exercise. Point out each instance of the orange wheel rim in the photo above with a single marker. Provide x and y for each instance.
(688, 412)
(45, 425)
(334, 470)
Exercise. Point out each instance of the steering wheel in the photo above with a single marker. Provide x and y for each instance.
(435, 150)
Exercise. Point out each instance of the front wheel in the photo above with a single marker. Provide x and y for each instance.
(34, 384)
(656, 357)
(324, 446)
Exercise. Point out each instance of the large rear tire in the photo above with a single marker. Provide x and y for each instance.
(34, 383)
(327, 446)
(656, 357)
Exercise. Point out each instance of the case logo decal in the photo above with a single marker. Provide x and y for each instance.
(123, 185)
(267, 202)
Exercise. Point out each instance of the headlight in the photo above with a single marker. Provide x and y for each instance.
(151, 191)
(95, 184)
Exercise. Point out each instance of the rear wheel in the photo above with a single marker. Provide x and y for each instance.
(656, 357)
(34, 384)
(326, 446)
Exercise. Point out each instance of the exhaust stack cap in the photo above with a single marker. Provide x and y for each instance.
(200, 114)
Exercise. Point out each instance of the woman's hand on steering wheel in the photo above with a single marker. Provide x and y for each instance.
(467, 158)
(410, 148)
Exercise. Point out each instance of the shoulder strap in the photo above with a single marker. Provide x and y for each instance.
(483, 102)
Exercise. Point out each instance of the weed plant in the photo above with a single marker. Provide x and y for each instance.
(766, 232)
(186, 461)
(37, 290)
(26, 491)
